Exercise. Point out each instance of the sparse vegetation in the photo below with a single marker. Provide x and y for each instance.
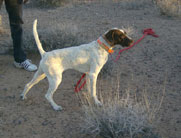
(124, 116)
(48, 3)
(59, 35)
(1, 29)
(134, 107)
(169, 7)
(132, 4)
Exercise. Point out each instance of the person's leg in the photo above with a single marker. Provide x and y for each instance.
(14, 9)
(16, 33)
(1, 1)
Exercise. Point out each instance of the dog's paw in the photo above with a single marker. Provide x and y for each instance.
(22, 97)
(57, 108)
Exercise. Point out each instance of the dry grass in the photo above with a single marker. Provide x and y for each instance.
(58, 35)
(135, 4)
(129, 4)
(126, 116)
(1, 28)
(48, 3)
(169, 7)
(57, 3)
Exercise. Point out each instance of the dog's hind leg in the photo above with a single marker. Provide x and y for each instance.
(53, 85)
(39, 75)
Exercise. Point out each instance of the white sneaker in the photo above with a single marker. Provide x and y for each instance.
(27, 65)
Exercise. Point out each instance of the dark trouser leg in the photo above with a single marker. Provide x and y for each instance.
(16, 34)
(1, 1)
(14, 9)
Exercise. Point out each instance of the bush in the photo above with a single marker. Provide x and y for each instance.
(121, 117)
(169, 7)
(1, 28)
(57, 3)
(118, 119)
(58, 35)
(135, 4)
(50, 3)
(128, 4)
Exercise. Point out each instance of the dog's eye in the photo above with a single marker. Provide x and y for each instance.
(121, 39)
(122, 36)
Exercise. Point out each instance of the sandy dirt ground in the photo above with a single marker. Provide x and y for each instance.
(148, 65)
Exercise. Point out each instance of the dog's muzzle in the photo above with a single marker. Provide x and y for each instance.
(127, 42)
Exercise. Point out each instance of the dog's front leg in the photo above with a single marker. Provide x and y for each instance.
(93, 80)
(88, 83)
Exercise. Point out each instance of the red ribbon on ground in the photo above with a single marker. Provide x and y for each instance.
(148, 31)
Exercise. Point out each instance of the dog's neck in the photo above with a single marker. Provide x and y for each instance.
(104, 45)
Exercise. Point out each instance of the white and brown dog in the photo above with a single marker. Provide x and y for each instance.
(87, 58)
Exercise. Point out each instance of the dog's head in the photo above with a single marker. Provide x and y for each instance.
(117, 36)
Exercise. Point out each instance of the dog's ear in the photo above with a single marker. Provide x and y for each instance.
(109, 36)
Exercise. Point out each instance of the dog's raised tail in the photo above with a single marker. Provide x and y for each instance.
(37, 40)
